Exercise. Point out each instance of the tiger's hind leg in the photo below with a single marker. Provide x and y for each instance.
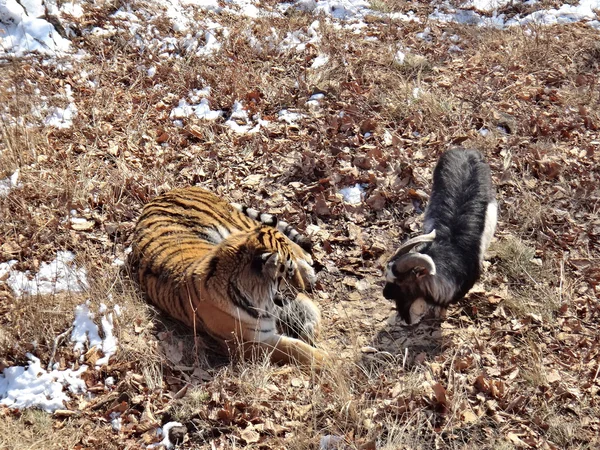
(299, 318)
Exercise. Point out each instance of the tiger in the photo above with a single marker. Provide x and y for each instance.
(224, 268)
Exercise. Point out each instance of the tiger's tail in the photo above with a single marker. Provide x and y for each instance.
(284, 227)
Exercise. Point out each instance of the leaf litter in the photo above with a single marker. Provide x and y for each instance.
(516, 360)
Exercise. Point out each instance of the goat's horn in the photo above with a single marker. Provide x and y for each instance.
(409, 261)
(408, 245)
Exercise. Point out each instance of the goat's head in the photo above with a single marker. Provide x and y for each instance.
(404, 276)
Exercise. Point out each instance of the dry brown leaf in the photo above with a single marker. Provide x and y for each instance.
(321, 208)
(250, 435)
(440, 394)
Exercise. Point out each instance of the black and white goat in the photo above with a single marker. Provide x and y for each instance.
(460, 221)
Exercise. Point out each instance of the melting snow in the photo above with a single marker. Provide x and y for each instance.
(201, 110)
(116, 421)
(8, 184)
(297, 40)
(109, 344)
(400, 57)
(238, 113)
(338, 9)
(61, 118)
(313, 101)
(319, 61)
(584, 11)
(21, 32)
(56, 276)
(488, 5)
(289, 117)
(33, 386)
(353, 194)
(85, 331)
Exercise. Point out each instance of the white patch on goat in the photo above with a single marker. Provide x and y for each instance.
(418, 310)
(491, 218)
(389, 276)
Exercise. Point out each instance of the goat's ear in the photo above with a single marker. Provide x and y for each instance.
(421, 272)
(414, 263)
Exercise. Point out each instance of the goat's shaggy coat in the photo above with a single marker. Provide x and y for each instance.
(460, 221)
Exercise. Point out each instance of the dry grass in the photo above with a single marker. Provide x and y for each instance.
(37, 429)
(515, 362)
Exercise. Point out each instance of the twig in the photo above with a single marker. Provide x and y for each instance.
(562, 275)
(57, 340)
(596, 376)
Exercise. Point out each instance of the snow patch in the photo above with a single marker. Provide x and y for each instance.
(584, 11)
(290, 117)
(116, 422)
(353, 194)
(56, 276)
(400, 57)
(314, 100)
(297, 40)
(22, 32)
(61, 117)
(85, 331)
(201, 110)
(319, 61)
(337, 9)
(9, 183)
(487, 5)
(247, 126)
(33, 386)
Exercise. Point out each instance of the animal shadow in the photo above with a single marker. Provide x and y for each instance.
(404, 344)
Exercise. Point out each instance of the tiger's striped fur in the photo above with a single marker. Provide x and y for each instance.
(210, 264)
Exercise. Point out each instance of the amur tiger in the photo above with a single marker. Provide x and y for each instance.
(222, 267)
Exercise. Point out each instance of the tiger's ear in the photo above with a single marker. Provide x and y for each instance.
(265, 262)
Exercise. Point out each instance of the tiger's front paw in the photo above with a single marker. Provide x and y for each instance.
(299, 318)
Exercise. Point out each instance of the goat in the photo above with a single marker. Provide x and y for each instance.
(460, 221)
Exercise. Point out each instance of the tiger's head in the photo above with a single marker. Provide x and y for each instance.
(278, 258)
(259, 264)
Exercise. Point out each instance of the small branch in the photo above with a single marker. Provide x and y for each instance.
(57, 340)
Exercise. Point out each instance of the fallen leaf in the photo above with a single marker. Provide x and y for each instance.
(440, 394)
(82, 225)
(250, 435)
(469, 416)
(553, 376)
